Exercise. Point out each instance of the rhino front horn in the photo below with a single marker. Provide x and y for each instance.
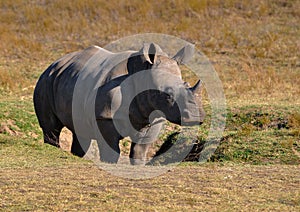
(196, 87)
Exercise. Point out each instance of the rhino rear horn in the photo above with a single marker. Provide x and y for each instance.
(150, 52)
(184, 54)
(196, 88)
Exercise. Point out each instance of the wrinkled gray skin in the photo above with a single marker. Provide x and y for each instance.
(53, 98)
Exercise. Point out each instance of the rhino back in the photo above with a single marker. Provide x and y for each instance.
(56, 85)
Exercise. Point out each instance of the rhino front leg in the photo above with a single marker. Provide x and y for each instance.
(80, 146)
(142, 141)
(108, 143)
(109, 150)
(138, 153)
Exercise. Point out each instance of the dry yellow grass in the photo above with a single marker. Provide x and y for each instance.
(206, 188)
(254, 44)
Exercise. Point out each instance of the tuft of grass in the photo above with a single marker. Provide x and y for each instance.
(294, 120)
(294, 123)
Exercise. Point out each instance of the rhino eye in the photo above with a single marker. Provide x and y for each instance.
(186, 84)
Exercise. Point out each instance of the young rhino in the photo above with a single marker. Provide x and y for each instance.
(107, 96)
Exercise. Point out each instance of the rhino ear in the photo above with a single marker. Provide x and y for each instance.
(184, 54)
(150, 51)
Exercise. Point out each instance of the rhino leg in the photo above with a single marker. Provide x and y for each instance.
(52, 136)
(109, 143)
(51, 127)
(109, 151)
(79, 146)
(138, 153)
(142, 141)
(48, 121)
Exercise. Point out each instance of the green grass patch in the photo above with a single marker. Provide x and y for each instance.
(259, 148)
(27, 153)
(261, 135)
(253, 134)
(21, 142)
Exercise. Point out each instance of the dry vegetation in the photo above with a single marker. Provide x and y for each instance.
(207, 188)
(254, 46)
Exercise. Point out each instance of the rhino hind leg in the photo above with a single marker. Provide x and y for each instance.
(52, 138)
(79, 146)
(51, 131)
(48, 121)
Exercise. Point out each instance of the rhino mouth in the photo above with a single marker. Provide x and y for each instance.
(191, 123)
(190, 118)
(185, 122)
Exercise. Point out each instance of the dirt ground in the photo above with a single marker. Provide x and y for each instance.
(206, 187)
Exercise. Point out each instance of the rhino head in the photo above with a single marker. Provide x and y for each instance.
(152, 91)
(172, 98)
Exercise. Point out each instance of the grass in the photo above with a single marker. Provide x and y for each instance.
(254, 47)
(40, 177)
(210, 187)
(260, 62)
(260, 135)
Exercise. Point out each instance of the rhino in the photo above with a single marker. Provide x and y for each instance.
(98, 94)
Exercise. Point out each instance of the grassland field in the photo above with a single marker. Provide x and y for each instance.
(254, 47)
